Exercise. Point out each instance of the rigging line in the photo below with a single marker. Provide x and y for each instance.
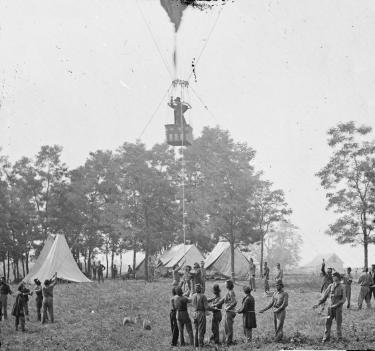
(205, 44)
(154, 40)
(202, 102)
(183, 170)
(154, 113)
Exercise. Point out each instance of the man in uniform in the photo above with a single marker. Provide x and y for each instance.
(38, 298)
(197, 276)
(200, 307)
(279, 303)
(266, 277)
(4, 292)
(230, 303)
(279, 273)
(47, 292)
(327, 280)
(336, 294)
(365, 281)
(179, 109)
(203, 272)
(183, 319)
(372, 287)
(252, 269)
(99, 270)
(216, 305)
(348, 279)
(94, 269)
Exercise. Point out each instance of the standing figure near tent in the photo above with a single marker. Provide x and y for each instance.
(38, 298)
(99, 271)
(348, 279)
(279, 273)
(279, 303)
(266, 277)
(365, 281)
(197, 276)
(179, 109)
(4, 292)
(187, 280)
(47, 292)
(216, 305)
(372, 287)
(252, 270)
(175, 275)
(203, 271)
(114, 271)
(248, 313)
(18, 309)
(26, 293)
(336, 293)
(200, 307)
(173, 319)
(183, 318)
(94, 270)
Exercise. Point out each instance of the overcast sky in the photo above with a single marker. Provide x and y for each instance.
(86, 74)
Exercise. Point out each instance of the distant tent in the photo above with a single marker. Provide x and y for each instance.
(127, 259)
(331, 259)
(183, 256)
(218, 261)
(58, 258)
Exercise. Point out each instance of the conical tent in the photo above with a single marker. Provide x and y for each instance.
(59, 259)
(181, 255)
(219, 261)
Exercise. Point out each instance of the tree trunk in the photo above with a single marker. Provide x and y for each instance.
(8, 258)
(4, 269)
(232, 259)
(261, 254)
(27, 261)
(17, 269)
(23, 266)
(365, 248)
(112, 259)
(106, 259)
(120, 262)
(134, 256)
(89, 263)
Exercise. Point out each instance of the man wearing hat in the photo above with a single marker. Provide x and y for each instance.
(216, 305)
(4, 292)
(336, 292)
(38, 298)
(200, 307)
(197, 276)
(183, 319)
(230, 303)
(279, 303)
(365, 281)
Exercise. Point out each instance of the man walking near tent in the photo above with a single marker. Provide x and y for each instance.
(94, 269)
(279, 273)
(38, 298)
(348, 279)
(183, 318)
(200, 307)
(47, 291)
(4, 292)
(248, 313)
(203, 271)
(266, 277)
(99, 270)
(365, 281)
(19, 309)
(279, 303)
(336, 292)
(252, 270)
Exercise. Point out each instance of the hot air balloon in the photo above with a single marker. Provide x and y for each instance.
(174, 9)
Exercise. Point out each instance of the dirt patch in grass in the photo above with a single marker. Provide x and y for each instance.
(89, 317)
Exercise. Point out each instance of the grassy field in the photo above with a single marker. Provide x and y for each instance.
(89, 317)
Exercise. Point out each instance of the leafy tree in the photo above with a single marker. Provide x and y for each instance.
(347, 178)
(222, 183)
(268, 208)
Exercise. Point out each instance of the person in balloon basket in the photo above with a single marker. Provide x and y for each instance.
(19, 308)
(335, 293)
(279, 303)
(47, 292)
(248, 313)
(4, 292)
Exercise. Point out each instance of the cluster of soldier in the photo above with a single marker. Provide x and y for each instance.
(20, 309)
(335, 289)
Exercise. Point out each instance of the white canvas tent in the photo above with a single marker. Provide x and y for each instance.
(56, 257)
(331, 259)
(218, 261)
(127, 259)
(181, 255)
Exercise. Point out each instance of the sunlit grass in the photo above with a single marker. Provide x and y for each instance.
(89, 317)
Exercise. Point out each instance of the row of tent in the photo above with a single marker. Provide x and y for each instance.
(57, 257)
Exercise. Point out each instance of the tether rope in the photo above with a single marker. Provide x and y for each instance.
(154, 113)
(154, 40)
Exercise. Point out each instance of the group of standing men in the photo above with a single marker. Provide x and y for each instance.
(20, 309)
(190, 278)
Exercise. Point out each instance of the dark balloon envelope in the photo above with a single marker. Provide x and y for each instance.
(174, 9)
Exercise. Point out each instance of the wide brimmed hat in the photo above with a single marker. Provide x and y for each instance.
(279, 283)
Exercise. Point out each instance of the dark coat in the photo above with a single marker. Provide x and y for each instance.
(248, 311)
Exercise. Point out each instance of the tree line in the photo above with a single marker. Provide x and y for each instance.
(131, 198)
